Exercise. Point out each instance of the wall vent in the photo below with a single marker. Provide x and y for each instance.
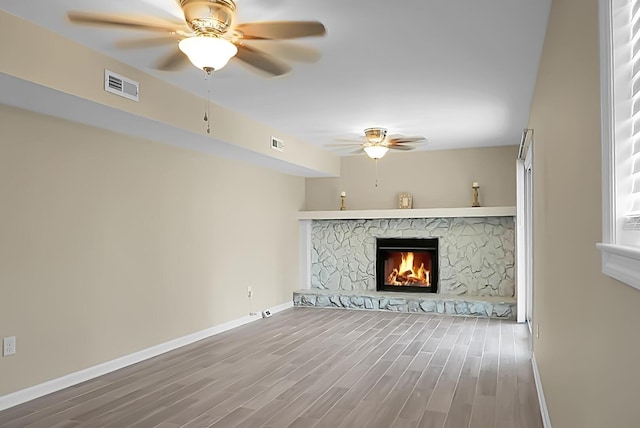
(277, 144)
(120, 85)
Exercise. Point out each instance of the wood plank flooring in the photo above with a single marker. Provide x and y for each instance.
(309, 367)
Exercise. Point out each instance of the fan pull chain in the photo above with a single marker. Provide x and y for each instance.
(376, 172)
(207, 113)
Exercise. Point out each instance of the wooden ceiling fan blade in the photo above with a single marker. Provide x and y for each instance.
(169, 7)
(288, 50)
(173, 62)
(352, 140)
(278, 30)
(139, 22)
(402, 148)
(147, 42)
(401, 140)
(261, 61)
(343, 145)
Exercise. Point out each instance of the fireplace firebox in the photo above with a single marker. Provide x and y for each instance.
(407, 264)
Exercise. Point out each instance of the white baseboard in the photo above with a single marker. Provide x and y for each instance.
(281, 307)
(546, 421)
(27, 394)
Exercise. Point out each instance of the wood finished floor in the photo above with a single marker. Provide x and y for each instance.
(315, 368)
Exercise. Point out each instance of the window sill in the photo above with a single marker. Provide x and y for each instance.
(621, 263)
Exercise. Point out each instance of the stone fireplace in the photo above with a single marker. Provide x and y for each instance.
(471, 263)
(407, 265)
(476, 255)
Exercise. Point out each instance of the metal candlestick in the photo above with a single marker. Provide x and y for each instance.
(342, 205)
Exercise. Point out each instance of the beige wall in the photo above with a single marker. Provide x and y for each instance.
(436, 179)
(588, 351)
(109, 244)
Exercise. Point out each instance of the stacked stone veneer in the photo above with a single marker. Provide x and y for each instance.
(414, 303)
(476, 253)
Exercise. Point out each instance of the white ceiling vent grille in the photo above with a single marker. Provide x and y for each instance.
(277, 144)
(120, 85)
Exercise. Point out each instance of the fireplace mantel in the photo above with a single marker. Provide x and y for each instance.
(409, 213)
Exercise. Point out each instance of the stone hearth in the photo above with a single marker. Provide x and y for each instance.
(494, 307)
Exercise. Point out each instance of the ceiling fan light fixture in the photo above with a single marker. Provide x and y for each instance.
(208, 51)
(376, 151)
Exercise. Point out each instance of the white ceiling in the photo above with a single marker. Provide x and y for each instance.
(459, 72)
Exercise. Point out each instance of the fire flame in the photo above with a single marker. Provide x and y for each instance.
(408, 274)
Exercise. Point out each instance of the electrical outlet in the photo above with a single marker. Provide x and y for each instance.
(249, 291)
(8, 346)
(266, 314)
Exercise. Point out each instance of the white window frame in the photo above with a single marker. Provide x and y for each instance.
(619, 261)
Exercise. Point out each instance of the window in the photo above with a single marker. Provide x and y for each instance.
(620, 95)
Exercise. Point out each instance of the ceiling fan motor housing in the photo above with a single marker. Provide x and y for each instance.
(209, 17)
(375, 135)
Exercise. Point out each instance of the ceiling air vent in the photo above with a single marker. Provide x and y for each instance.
(120, 85)
(277, 144)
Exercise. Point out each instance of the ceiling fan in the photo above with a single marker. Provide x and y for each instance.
(209, 37)
(375, 143)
